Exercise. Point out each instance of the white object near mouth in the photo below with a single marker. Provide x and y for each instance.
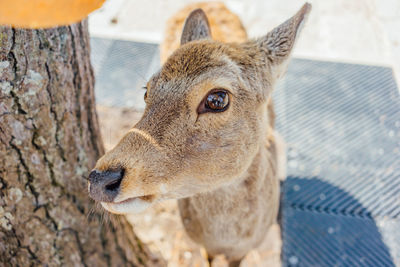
(132, 205)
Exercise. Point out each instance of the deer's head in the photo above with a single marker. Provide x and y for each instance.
(205, 119)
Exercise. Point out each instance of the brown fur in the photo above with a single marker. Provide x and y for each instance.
(222, 167)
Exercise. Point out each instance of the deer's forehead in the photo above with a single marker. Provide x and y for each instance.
(187, 90)
(192, 60)
(193, 70)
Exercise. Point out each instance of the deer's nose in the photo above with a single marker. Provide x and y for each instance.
(104, 186)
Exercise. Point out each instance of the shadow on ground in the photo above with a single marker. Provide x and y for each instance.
(319, 234)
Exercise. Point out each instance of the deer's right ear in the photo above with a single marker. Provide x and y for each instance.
(196, 27)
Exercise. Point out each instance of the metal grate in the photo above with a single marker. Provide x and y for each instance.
(341, 201)
(321, 239)
(350, 111)
(341, 122)
(122, 69)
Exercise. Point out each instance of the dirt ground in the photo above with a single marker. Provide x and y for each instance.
(160, 226)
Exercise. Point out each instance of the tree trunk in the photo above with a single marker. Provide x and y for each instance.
(49, 141)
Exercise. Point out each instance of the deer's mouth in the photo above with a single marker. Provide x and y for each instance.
(130, 205)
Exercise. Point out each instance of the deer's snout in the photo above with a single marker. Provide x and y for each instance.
(105, 186)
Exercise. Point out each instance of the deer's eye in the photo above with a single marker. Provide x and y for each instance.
(145, 95)
(216, 101)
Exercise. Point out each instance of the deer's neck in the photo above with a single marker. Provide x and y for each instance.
(259, 186)
(236, 216)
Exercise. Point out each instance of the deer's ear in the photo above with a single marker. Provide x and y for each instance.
(196, 27)
(278, 44)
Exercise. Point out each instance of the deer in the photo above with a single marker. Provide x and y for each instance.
(207, 138)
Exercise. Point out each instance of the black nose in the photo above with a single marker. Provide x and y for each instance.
(104, 186)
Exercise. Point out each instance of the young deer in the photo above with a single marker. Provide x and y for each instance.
(207, 138)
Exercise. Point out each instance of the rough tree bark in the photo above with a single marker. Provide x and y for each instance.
(49, 141)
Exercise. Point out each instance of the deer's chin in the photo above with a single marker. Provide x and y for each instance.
(130, 205)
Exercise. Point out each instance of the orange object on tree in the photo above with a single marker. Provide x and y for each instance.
(45, 13)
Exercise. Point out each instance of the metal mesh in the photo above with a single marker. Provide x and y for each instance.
(340, 113)
(122, 69)
(341, 201)
(321, 239)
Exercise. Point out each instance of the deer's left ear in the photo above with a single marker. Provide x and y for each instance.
(196, 27)
(278, 44)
